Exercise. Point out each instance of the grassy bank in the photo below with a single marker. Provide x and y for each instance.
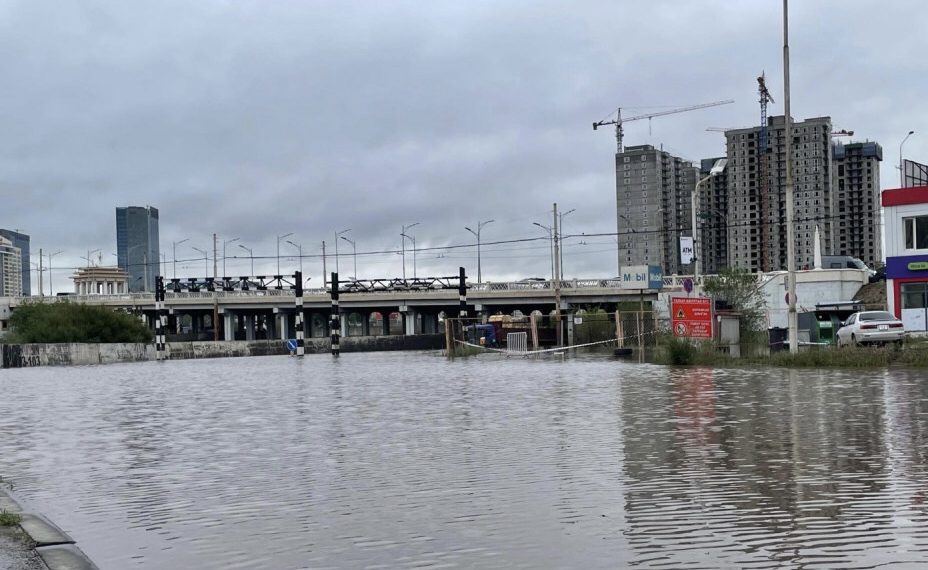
(682, 353)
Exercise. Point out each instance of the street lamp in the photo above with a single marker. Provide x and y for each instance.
(251, 256)
(717, 169)
(550, 231)
(89, 253)
(560, 225)
(354, 254)
(413, 238)
(300, 248)
(205, 260)
(477, 235)
(51, 290)
(174, 245)
(338, 235)
(226, 242)
(901, 171)
(278, 252)
(403, 246)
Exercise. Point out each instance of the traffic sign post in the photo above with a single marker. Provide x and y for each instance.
(292, 345)
(691, 317)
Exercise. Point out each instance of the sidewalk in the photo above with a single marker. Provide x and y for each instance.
(16, 551)
(36, 543)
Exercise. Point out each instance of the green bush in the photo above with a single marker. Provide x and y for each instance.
(72, 322)
(9, 519)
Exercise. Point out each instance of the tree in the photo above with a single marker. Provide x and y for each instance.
(72, 322)
(741, 290)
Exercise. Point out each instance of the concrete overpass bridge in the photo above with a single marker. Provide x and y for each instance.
(253, 308)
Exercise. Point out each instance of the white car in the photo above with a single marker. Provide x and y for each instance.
(870, 327)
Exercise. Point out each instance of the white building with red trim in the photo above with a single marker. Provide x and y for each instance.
(905, 214)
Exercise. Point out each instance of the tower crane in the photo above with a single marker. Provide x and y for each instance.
(619, 121)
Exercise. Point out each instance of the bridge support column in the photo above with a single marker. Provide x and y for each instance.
(228, 326)
(281, 323)
(249, 327)
(569, 315)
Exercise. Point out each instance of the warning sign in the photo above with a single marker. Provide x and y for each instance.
(692, 317)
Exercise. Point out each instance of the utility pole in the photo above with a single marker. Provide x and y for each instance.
(41, 290)
(557, 279)
(325, 276)
(215, 255)
(793, 318)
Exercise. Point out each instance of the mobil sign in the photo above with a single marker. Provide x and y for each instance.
(691, 317)
(641, 277)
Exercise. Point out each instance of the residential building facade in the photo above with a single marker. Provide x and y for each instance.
(11, 267)
(757, 193)
(653, 190)
(856, 202)
(21, 241)
(712, 218)
(137, 246)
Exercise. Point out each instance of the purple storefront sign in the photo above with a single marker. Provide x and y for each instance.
(907, 266)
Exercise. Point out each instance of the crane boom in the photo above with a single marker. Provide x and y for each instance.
(618, 121)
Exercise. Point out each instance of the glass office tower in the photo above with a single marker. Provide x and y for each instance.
(137, 246)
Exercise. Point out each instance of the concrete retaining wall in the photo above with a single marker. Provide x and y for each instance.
(29, 355)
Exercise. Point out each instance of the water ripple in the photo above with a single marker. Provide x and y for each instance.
(410, 461)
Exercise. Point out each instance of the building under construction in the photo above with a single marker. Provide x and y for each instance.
(756, 233)
(653, 190)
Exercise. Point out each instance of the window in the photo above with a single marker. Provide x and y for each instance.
(916, 232)
(626, 159)
(914, 295)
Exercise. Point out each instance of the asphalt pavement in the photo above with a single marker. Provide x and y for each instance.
(16, 551)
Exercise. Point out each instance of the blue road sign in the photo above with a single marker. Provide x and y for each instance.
(291, 344)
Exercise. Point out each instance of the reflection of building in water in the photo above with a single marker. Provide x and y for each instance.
(905, 397)
(755, 465)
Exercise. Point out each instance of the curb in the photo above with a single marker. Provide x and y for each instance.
(52, 544)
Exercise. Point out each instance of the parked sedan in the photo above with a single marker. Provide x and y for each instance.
(870, 327)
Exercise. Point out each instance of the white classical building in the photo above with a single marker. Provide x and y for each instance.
(11, 269)
(100, 281)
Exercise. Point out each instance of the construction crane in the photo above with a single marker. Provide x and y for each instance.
(763, 167)
(619, 121)
(724, 129)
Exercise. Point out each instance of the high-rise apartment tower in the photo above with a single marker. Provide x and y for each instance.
(21, 241)
(653, 190)
(856, 202)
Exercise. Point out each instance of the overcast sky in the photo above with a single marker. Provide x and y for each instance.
(252, 119)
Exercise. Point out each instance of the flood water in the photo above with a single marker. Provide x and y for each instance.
(396, 460)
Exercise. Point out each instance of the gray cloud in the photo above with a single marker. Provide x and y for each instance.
(252, 119)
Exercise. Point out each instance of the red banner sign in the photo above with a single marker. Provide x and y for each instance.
(691, 317)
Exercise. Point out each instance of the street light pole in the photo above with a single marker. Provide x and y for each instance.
(278, 251)
(550, 230)
(174, 245)
(299, 247)
(205, 261)
(717, 169)
(51, 289)
(560, 223)
(225, 242)
(354, 253)
(477, 235)
(403, 246)
(792, 316)
(338, 235)
(251, 256)
(901, 170)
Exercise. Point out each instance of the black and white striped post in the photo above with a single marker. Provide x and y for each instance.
(335, 322)
(160, 318)
(462, 293)
(298, 319)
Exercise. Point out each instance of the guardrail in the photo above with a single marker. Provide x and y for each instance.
(670, 282)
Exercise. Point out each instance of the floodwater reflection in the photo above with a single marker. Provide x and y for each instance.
(408, 460)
